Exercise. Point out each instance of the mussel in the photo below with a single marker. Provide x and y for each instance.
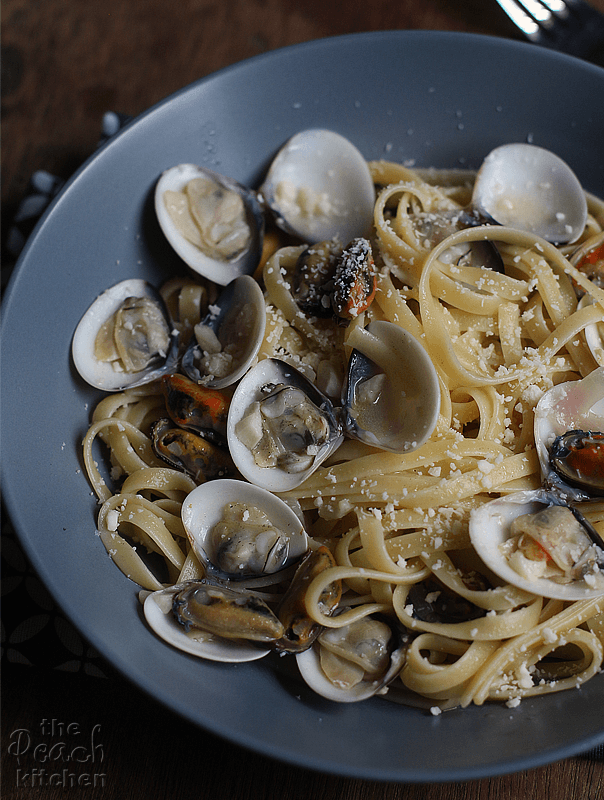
(212, 621)
(331, 281)
(189, 452)
(201, 409)
(299, 629)
(562, 410)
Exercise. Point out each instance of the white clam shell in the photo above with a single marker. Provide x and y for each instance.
(245, 291)
(408, 420)
(573, 405)
(101, 374)
(247, 392)
(490, 528)
(309, 665)
(527, 187)
(319, 187)
(221, 272)
(203, 508)
(157, 609)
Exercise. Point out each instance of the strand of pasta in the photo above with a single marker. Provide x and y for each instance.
(443, 681)
(131, 449)
(572, 617)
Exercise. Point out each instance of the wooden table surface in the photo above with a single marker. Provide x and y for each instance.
(63, 65)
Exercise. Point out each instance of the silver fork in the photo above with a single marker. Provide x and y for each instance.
(572, 26)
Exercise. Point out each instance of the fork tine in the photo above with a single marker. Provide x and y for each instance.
(521, 19)
(572, 26)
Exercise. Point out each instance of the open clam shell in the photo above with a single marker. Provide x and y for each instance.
(569, 406)
(234, 330)
(103, 374)
(303, 448)
(158, 612)
(309, 664)
(221, 521)
(530, 188)
(229, 244)
(319, 187)
(490, 528)
(392, 394)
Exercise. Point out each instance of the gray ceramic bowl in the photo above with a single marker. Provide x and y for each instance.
(438, 98)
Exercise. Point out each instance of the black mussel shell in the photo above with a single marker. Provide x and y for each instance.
(577, 457)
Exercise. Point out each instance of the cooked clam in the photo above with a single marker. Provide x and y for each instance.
(530, 188)
(212, 621)
(280, 427)
(241, 532)
(215, 224)
(541, 547)
(125, 338)
(226, 343)
(354, 662)
(392, 394)
(319, 187)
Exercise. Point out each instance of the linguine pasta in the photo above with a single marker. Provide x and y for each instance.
(397, 524)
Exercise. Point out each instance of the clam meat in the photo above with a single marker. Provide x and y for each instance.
(125, 338)
(215, 224)
(280, 427)
(240, 532)
(552, 543)
(533, 542)
(354, 662)
(226, 343)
